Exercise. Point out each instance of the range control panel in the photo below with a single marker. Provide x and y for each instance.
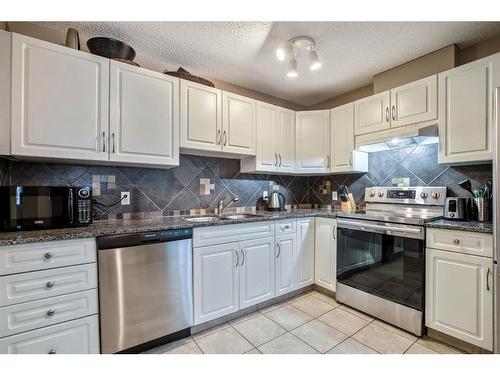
(424, 195)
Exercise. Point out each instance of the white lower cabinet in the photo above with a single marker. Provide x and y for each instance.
(256, 271)
(459, 296)
(216, 281)
(305, 252)
(286, 256)
(80, 336)
(325, 253)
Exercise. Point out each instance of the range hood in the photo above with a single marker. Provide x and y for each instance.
(397, 138)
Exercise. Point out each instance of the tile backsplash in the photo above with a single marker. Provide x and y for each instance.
(200, 182)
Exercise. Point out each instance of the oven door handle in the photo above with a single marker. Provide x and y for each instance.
(70, 206)
(366, 227)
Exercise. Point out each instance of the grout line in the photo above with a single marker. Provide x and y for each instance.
(439, 175)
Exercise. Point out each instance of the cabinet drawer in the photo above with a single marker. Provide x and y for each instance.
(285, 226)
(79, 336)
(31, 315)
(31, 286)
(231, 233)
(38, 256)
(462, 242)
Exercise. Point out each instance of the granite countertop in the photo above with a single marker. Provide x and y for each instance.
(111, 227)
(470, 226)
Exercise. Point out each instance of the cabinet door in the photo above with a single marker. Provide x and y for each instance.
(342, 138)
(466, 110)
(286, 139)
(200, 117)
(144, 116)
(238, 124)
(459, 297)
(325, 253)
(59, 101)
(305, 252)
(286, 255)
(267, 138)
(5, 91)
(414, 102)
(313, 141)
(371, 114)
(256, 271)
(216, 281)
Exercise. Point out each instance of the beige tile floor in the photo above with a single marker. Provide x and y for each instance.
(311, 323)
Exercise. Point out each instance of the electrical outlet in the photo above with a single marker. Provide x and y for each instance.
(334, 196)
(125, 201)
(265, 194)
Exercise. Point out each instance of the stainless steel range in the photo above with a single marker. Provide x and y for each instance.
(381, 253)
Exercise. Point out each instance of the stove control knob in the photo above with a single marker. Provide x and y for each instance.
(371, 194)
(436, 195)
(380, 194)
(423, 195)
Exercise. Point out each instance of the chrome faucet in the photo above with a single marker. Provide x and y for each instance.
(221, 205)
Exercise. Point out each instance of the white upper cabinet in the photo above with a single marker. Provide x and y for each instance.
(144, 116)
(286, 139)
(343, 156)
(414, 102)
(200, 116)
(5, 73)
(466, 111)
(313, 141)
(59, 101)
(325, 258)
(267, 138)
(372, 114)
(238, 124)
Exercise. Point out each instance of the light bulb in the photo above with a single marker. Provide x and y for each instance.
(280, 54)
(315, 63)
(292, 70)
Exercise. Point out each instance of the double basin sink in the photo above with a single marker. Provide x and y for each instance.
(207, 219)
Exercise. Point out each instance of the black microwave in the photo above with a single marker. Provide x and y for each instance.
(44, 207)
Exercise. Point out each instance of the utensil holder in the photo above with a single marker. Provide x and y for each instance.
(482, 209)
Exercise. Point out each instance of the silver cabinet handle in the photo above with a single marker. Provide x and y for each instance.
(243, 257)
(387, 114)
(280, 159)
(225, 138)
(275, 159)
(393, 113)
(47, 255)
(50, 284)
(327, 161)
(51, 312)
(218, 138)
(456, 241)
(103, 141)
(279, 249)
(237, 258)
(51, 351)
(113, 137)
(350, 159)
(488, 279)
(333, 232)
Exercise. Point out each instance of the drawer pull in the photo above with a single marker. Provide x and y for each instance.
(456, 241)
(51, 351)
(51, 312)
(48, 255)
(50, 284)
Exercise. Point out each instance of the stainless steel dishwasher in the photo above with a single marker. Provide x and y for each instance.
(145, 289)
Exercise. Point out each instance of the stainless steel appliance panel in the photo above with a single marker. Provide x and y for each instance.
(145, 293)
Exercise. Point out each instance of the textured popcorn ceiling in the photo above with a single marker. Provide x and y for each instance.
(243, 53)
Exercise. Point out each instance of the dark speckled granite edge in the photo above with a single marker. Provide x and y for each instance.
(113, 227)
(469, 226)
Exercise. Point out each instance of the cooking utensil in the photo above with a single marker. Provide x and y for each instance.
(478, 193)
(465, 184)
(110, 48)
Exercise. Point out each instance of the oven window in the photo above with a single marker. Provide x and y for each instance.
(383, 265)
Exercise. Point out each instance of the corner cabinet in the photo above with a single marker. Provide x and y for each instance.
(59, 101)
(313, 141)
(466, 105)
(344, 158)
(144, 116)
(200, 117)
(325, 253)
(238, 124)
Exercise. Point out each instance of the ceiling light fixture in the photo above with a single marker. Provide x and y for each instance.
(299, 47)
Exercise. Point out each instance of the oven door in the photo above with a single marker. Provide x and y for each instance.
(33, 207)
(383, 259)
